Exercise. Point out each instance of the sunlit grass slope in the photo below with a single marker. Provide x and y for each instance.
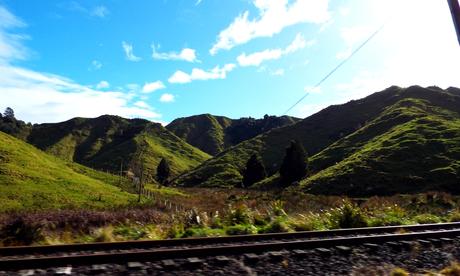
(107, 141)
(320, 131)
(213, 134)
(412, 147)
(31, 179)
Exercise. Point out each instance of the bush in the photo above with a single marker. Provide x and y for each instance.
(21, 232)
(347, 216)
(240, 215)
(452, 270)
(279, 225)
(241, 229)
(427, 218)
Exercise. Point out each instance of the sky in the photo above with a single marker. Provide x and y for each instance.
(165, 59)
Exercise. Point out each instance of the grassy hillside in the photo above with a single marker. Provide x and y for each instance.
(317, 133)
(31, 179)
(107, 141)
(213, 134)
(412, 147)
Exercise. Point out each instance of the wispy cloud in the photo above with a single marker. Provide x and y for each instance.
(198, 2)
(95, 65)
(255, 59)
(11, 44)
(42, 97)
(167, 98)
(186, 54)
(274, 16)
(103, 85)
(351, 36)
(153, 86)
(200, 74)
(128, 48)
(100, 11)
(97, 11)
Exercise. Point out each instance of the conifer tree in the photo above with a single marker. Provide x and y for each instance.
(254, 171)
(294, 166)
(163, 171)
(9, 113)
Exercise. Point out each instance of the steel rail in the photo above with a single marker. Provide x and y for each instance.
(146, 244)
(278, 243)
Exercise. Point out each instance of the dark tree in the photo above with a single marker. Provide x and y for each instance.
(9, 113)
(163, 171)
(294, 166)
(254, 172)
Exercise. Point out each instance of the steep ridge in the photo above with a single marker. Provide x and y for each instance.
(412, 147)
(316, 133)
(32, 179)
(213, 134)
(107, 142)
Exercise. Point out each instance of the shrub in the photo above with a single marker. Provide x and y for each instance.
(427, 218)
(347, 216)
(241, 229)
(278, 225)
(104, 234)
(454, 216)
(240, 215)
(21, 232)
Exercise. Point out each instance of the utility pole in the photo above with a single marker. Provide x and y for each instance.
(121, 170)
(455, 11)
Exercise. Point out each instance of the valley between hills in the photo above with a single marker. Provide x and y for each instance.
(397, 146)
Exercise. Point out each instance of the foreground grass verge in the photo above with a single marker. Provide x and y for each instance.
(211, 212)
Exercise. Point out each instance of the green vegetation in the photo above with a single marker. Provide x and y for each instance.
(294, 166)
(112, 143)
(254, 171)
(412, 146)
(32, 180)
(394, 141)
(213, 134)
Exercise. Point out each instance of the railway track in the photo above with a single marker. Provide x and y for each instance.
(15, 258)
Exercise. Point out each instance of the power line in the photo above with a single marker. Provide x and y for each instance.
(337, 67)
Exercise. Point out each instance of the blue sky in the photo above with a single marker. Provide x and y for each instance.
(165, 59)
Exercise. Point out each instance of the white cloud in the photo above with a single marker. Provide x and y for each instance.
(410, 52)
(187, 54)
(128, 48)
(95, 65)
(255, 59)
(274, 16)
(42, 97)
(11, 47)
(142, 104)
(153, 86)
(167, 98)
(200, 74)
(103, 85)
(277, 72)
(100, 11)
(198, 2)
(351, 36)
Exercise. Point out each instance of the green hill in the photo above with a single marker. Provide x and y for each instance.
(317, 133)
(31, 179)
(105, 142)
(213, 134)
(411, 147)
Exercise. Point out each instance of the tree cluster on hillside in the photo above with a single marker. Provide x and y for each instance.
(12, 126)
(293, 168)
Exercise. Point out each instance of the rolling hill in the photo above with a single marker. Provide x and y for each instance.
(213, 134)
(31, 179)
(365, 119)
(105, 142)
